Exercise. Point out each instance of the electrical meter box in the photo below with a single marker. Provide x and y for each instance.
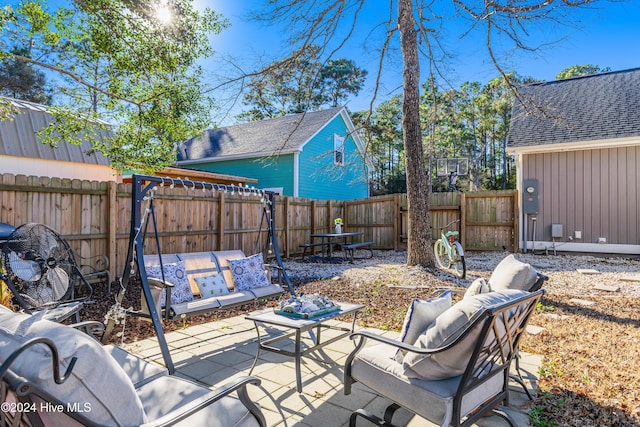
(530, 196)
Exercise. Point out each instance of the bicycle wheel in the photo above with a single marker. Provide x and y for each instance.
(442, 259)
(459, 265)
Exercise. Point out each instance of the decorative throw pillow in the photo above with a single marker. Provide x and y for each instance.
(512, 274)
(96, 381)
(420, 315)
(212, 286)
(176, 274)
(479, 286)
(447, 328)
(248, 273)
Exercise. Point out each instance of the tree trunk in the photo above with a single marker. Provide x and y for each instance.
(419, 250)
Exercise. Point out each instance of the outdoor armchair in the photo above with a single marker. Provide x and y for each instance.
(510, 273)
(54, 375)
(458, 369)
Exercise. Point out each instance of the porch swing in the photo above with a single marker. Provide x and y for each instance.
(196, 270)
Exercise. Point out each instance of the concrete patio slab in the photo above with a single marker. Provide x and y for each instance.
(218, 352)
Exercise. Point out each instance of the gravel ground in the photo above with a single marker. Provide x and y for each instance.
(390, 268)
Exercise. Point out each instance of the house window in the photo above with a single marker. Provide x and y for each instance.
(338, 149)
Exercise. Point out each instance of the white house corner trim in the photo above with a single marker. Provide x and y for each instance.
(296, 174)
(519, 184)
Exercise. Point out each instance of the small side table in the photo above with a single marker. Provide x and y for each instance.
(298, 326)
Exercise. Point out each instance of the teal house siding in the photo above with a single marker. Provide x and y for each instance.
(320, 178)
(296, 154)
(270, 173)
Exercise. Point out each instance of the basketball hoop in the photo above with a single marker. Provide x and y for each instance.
(457, 166)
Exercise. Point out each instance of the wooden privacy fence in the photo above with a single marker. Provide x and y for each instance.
(95, 217)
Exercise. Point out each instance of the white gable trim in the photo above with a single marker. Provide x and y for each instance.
(351, 129)
(320, 129)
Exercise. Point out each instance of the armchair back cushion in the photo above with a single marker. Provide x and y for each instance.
(478, 286)
(96, 379)
(420, 315)
(447, 328)
(512, 274)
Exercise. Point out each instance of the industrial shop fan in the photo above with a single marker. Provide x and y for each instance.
(40, 268)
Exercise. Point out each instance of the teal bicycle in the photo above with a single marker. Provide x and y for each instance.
(449, 252)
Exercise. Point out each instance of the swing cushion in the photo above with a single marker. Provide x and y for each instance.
(212, 286)
(176, 274)
(248, 273)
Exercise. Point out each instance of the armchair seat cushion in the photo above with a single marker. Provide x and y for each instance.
(376, 367)
(168, 393)
(139, 371)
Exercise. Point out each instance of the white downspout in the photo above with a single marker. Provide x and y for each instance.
(519, 185)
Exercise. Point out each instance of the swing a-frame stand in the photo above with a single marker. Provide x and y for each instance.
(142, 215)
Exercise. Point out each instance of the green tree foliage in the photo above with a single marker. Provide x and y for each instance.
(21, 80)
(472, 122)
(301, 83)
(123, 62)
(581, 70)
(340, 78)
(383, 135)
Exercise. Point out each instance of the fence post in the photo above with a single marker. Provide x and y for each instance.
(221, 209)
(112, 226)
(286, 226)
(343, 214)
(396, 222)
(516, 222)
(463, 219)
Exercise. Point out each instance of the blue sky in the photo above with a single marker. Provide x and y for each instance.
(607, 35)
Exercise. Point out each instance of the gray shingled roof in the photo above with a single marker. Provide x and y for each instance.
(18, 137)
(266, 137)
(590, 108)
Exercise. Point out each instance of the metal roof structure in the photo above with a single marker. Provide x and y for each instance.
(18, 137)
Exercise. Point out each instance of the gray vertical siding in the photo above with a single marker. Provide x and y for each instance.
(593, 191)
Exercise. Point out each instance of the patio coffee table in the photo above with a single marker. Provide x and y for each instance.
(300, 325)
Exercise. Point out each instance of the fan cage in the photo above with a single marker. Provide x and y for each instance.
(40, 268)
